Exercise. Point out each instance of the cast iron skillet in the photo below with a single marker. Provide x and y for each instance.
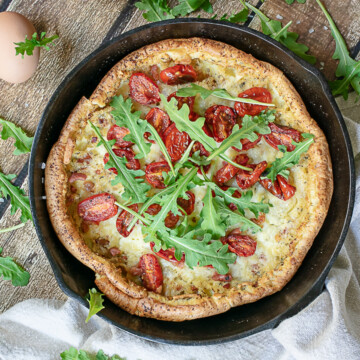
(75, 279)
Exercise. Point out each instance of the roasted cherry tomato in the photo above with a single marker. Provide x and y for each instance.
(124, 220)
(98, 208)
(207, 130)
(118, 133)
(282, 135)
(189, 101)
(168, 255)
(247, 144)
(259, 220)
(246, 179)
(228, 171)
(255, 93)
(209, 114)
(153, 173)
(241, 245)
(153, 209)
(287, 189)
(224, 120)
(159, 119)
(176, 142)
(273, 188)
(143, 89)
(151, 273)
(221, 277)
(170, 221)
(203, 152)
(178, 74)
(132, 163)
(187, 204)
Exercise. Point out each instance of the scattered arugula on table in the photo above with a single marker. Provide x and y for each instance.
(188, 6)
(95, 300)
(74, 354)
(235, 18)
(29, 45)
(10, 270)
(299, 1)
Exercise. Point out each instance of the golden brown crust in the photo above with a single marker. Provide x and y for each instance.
(131, 297)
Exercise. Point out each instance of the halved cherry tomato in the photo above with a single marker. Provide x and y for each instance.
(221, 277)
(187, 204)
(153, 209)
(203, 152)
(168, 255)
(210, 114)
(207, 130)
(282, 135)
(287, 189)
(98, 207)
(151, 273)
(132, 163)
(176, 142)
(241, 245)
(153, 173)
(178, 74)
(118, 133)
(245, 179)
(256, 93)
(259, 220)
(273, 188)
(124, 220)
(159, 119)
(228, 171)
(170, 221)
(189, 101)
(224, 120)
(143, 89)
(247, 144)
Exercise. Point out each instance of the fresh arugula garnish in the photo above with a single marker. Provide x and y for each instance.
(239, 17)
(95, 300)
(250, 126)
(18, 200)
(290, 158)
(29, 45)
(155, 10)
(195, 89)
(74, 354)
(299, 1)
(274, 29)
(348, 69)
(188, 6)
(9, 270)
(22, 141)
(135, 188)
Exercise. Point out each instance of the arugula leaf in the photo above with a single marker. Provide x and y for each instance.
(137, 126)
(12, 228)
(348, 69)
(274, 29)
(74, 354)
(18, 200)
(12, 271)
(188, 6)
(95, 303)
(290, 158)
(299, 1)
(250, 126)
(219, 93)
(22, 141)
(156, 10)
(232, 218)
(212, 222)
(29, 45)
(135, 189)
(241, 16)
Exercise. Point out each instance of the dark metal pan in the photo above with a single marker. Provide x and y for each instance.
(75, 279)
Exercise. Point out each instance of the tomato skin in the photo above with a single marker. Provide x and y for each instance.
(210, 114)
(132, 164)
(153, 173)
(256, 93)
(168, 255)
(241, 245)
(187, 204)
(282, 135)
(245, 179)
(97, 208)
(151, 273)
(280, 188)
(287, 189)
(118, 133)
(228, 171)
(259, 220)
(247, 144)
(170, 221)
(143, 90)
(176, 142)
(220, 277)
(153, 209)
(224, 119)
(159, 119)
(273, 188)
(178, 74)
(124, 220)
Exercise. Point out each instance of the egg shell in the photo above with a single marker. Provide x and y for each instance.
(13, 28)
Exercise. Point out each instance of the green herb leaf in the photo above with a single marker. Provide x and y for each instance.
(250, 126)
(9, 270)
(239, 17)
(156, 10)
(22, 141)
(74, 354)
(12, 228)
(137, 127)
(195, 89)
(188, 6)
(95, 303)
(29, 45)
(290, 158)
(299, 1)
(18, 200)
(212, 222)
(135, 188)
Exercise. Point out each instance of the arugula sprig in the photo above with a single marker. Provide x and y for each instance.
(299, 1)
(29, 45)
(74, 354)
(135, 188)
(9, 270)
(155, 10)
(188, 6)
(235, 18)
(95, 300)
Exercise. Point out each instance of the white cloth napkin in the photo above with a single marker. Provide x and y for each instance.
(329, 328)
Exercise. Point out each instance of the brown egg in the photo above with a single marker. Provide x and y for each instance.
(13, 28)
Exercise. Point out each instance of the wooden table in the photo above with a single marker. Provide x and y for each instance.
(83, 25)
